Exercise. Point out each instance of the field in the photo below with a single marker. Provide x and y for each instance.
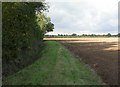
(99, 53)
(56, 66)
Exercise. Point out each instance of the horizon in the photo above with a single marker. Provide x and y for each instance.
(82, 34)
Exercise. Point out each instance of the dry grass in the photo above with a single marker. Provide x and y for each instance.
(82, 40)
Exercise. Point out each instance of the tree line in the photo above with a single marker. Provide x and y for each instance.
(83, 35)
(24, 26)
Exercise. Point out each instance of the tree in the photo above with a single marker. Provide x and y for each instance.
(84, 34)
(44, 23)
(118, 34)
(74, 34)
(109, 35)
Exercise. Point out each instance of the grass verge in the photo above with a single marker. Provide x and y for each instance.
(57, 66)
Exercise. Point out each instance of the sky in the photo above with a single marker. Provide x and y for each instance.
(83, 16)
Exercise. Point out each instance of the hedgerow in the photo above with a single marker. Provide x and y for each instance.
(24, 26)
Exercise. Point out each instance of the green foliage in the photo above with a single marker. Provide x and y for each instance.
(118, 34)
(20, 28)
(83, 35)
(45, 23)
(108, 34)
(74, 34)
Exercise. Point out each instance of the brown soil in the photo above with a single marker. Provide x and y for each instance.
(101, 56)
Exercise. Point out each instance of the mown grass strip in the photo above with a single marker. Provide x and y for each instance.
(57, 66)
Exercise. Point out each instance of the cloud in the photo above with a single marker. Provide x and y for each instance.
(84, 16)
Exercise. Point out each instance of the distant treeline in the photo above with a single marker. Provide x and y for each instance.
(83, 35)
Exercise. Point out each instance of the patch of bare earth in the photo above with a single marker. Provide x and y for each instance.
(100, 53)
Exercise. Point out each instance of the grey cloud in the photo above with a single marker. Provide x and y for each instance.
(80, 18)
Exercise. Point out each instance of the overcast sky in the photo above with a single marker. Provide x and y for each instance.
(84, 16)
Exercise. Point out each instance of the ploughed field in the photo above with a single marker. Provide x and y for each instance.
(101, 54)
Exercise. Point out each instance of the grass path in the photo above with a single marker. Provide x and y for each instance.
(57, 66)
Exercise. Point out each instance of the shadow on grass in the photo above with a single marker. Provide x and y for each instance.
(25, 58)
